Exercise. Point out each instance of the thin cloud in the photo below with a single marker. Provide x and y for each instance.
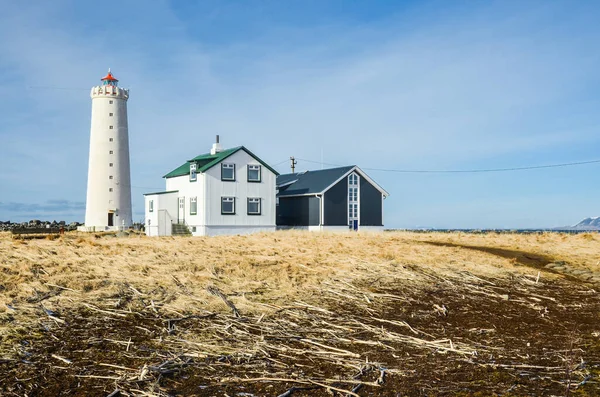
(411, 91)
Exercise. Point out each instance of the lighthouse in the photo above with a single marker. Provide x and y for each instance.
(108, 203)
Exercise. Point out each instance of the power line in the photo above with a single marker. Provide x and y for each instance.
(533, 167)
(281, 162)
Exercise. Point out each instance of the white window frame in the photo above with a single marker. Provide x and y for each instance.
(193, 174)
(228, 200)
(353, 196)
(228, 166)
(254, 200)
(193, 205)
(253, 167)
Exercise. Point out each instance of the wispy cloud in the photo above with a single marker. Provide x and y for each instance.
(415, 89)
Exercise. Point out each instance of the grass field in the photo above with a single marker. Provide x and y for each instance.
(294, 313)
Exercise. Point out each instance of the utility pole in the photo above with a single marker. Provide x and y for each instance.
(293, 163)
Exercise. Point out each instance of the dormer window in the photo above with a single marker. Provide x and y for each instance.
(193, 174)
(254, 173)
(227, 172)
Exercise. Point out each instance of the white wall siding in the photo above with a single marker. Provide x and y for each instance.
(241, 189)
(158, 222)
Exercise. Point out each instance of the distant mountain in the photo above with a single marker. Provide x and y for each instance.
(586, 224)
(589, 223)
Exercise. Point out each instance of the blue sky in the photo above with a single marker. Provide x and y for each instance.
(401, 85)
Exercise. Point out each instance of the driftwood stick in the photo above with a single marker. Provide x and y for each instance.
(329, 387)
(217, 292)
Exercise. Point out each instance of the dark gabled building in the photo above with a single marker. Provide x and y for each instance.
(343, 198)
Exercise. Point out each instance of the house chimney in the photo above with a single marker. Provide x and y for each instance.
(216, 147)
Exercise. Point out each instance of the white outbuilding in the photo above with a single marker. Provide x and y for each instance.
(228, 191)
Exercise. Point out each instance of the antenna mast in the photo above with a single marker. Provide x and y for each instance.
(293, 163)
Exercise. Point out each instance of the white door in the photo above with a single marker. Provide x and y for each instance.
(162, 222)
(181, 212)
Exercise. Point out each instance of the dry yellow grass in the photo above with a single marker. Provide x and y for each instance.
(260, 268)
(261, 273)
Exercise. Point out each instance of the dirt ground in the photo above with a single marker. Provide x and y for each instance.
(400, 314)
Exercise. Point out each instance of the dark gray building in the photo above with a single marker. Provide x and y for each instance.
(343, 198)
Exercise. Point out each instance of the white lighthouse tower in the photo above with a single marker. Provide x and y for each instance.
(108, 204)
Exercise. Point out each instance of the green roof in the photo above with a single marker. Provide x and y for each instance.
(206, 161)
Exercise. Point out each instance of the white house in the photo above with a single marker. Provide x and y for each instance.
(222, 192)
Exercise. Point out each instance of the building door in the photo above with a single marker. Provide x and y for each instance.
(111, 219)
(181, 212)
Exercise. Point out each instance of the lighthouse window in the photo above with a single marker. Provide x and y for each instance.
(110, 127)
(110, 102)
(110, 189)
(110, 164)
(110, 152)
(110, 114)
(110, 139)
(110, 177)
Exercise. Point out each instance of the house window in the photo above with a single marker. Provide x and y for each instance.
(193, 175)
(151, 206)
(193, 205)
(253, 206)
(110, 139)
(110, 114)
(353, 196)
(227, 172)
(110, 102)
(110, 127)
(227, 205)
(254, 173)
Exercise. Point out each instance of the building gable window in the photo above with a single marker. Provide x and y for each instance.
(227, 205)
(353, 200)
(254, 173)
(193, 175)
(254, 206)
(227, 172)
(151, 206)
(193, 205)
